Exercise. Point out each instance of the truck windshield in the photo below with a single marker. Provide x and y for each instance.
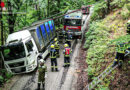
(72, 22)
(12, 52)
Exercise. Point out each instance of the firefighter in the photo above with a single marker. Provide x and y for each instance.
(69, 38)
(67, 51)
(60, 36)
(42, 69)
(57, 47)
(65, 34)
(128, 27)
(53, 58)
(121, 47)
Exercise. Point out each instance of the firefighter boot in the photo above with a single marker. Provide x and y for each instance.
(56, 69)
(52, 69)
(68, 65)
(114, 63)
(38, 86)
(120, 63)
(43, 86)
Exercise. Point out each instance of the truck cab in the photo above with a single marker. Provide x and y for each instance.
(73, 22)
(20, 52)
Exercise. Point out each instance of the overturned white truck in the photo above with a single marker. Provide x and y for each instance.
(22, 48)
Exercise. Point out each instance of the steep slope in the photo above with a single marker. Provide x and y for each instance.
(100, 53)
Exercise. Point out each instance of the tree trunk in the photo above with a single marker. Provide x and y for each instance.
(108, 6)
(48, 9)
(11, 20)
(2, 40)
(58, 5)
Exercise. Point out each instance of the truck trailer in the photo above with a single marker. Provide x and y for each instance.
(22, 49)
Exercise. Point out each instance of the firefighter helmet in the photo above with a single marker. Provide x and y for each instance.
(52, 46)
(55, 39)
(65, 45)
(41, 62)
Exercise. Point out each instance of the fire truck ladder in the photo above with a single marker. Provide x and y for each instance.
(100, 77)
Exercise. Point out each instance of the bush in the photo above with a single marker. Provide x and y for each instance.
(4, 76)
(96, 42)
(99, 11)
(125, 12)
(117, 3)
(1, 80)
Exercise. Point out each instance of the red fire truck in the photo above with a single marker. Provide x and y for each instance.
(73, 22)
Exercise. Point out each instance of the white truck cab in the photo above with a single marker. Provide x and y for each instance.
(23, 48)
(20, 52)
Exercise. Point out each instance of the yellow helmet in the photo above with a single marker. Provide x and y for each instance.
(55, 39)
(52, 46)
(65, 45)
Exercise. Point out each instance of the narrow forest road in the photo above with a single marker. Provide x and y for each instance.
(65, 79)
(55, 80)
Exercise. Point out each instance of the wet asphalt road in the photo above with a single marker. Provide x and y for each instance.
(54, 80)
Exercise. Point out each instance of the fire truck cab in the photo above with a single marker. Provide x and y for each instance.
(73, 22)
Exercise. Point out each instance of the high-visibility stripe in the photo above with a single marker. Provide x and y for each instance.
(52, 66)
(53, 57)
(68, 63)
(121, 49)
(120, 60)
(56, 66)
(115, 59)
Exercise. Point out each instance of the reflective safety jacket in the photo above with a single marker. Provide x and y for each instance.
(42, 70)
(56, 45)
(121, 48)
(53, 53)
(67, 51)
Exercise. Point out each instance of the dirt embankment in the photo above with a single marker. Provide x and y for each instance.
(82, 80)
(121, 80)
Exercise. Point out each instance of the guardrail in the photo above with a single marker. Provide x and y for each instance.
(100, 77)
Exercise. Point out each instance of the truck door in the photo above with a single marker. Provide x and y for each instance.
(31, 51)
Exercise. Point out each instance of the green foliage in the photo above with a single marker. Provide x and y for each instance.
(101, 87)
(118, 3)
(5, 76)
(129, 62)
(128, 6)
(99, 11)
(126, 11)
(121, 39)
(1, 79)
(8, 75)
(96, 42)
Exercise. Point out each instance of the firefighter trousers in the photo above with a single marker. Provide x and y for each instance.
(119, 59)
(54, 63)
(66, 61)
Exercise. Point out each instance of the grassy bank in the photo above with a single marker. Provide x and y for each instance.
(104, 28)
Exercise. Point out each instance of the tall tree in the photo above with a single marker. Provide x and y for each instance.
(1, 22)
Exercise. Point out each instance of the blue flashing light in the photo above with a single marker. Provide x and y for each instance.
(77, 16)
(67, 16)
